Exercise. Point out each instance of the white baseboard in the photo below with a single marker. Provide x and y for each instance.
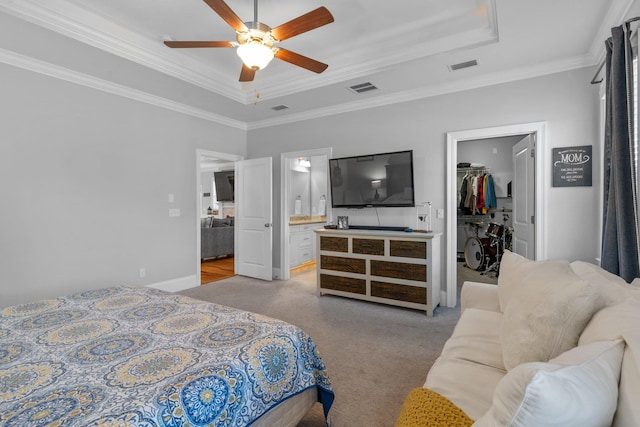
(175, 285)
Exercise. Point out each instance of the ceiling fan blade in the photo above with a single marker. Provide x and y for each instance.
(247, 74)
(198, 44)
(303, 23)
(300, 60)
(225, 12)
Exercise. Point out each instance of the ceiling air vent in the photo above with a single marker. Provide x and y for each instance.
(462, 65)
(362, 87)
(280, 107)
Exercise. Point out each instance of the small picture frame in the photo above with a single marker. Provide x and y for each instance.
(343, 222)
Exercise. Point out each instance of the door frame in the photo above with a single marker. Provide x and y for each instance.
(285, 158)
(200, 154)
(541, 183)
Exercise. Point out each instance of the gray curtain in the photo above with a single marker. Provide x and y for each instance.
(620, 217)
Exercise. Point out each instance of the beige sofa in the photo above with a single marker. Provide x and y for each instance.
(555, 343)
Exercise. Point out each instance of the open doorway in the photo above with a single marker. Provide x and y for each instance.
(537, 132)
(484, 224)
(305, 205)
(215, 244)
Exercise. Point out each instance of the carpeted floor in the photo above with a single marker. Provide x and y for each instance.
(375, 354)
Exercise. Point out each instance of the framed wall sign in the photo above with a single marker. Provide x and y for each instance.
(572, 166)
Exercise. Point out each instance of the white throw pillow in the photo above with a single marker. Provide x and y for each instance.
(610, 323)
(579, 388)
(546, 313)
(614, 289)
(513, 268)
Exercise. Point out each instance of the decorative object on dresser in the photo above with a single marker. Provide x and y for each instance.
(390, 267)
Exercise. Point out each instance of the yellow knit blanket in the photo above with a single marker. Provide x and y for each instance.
(426, 408)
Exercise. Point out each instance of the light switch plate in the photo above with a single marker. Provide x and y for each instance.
(440, 213)
(174, 212)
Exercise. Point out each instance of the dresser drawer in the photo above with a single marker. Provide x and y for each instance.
(334, 244)
(399, 292)
(368, 246)
(344, 284)
(406, 249)
(349, 265)
(399, 270)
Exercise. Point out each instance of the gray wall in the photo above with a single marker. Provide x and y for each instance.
(85, 178)
(566, 101)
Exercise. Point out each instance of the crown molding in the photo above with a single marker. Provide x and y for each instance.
(58, 72)
(94, 30)
(522, 73)
(615, 15)
(375, 62)
(369, 60)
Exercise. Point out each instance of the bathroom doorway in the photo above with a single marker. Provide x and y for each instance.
(305, 205)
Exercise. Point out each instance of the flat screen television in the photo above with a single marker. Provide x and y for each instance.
(374, 180)
(224, 181)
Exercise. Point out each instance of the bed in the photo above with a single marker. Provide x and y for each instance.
(129, 356)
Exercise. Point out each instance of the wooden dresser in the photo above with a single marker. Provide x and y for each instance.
(390, 267)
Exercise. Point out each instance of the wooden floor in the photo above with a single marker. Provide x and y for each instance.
(302, 268)
(216, 269)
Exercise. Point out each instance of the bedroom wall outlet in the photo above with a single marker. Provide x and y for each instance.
(143, 272)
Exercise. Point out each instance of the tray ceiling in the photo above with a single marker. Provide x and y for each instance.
(405, 48)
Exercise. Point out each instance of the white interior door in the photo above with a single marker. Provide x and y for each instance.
(253, 228)
(523, 195)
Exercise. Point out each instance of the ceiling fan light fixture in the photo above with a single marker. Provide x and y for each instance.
(255, 55)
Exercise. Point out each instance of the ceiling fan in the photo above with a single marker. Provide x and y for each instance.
(256, 42)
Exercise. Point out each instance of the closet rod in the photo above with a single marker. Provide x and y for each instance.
(474, 169)
(601, 66)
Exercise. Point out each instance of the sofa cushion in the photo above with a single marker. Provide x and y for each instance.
(546, 313)
(220, 222)
(479, 295)
(467, 384)
(614, 289)
(476, 338)
(621, 321)
(513, 268)
(424, 407)
(578, 388)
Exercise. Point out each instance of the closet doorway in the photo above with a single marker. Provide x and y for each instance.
(484, 223)
(495, 152)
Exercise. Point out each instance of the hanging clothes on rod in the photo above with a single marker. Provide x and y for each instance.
(477, 193)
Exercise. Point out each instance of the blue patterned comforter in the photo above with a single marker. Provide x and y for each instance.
(141, 357)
